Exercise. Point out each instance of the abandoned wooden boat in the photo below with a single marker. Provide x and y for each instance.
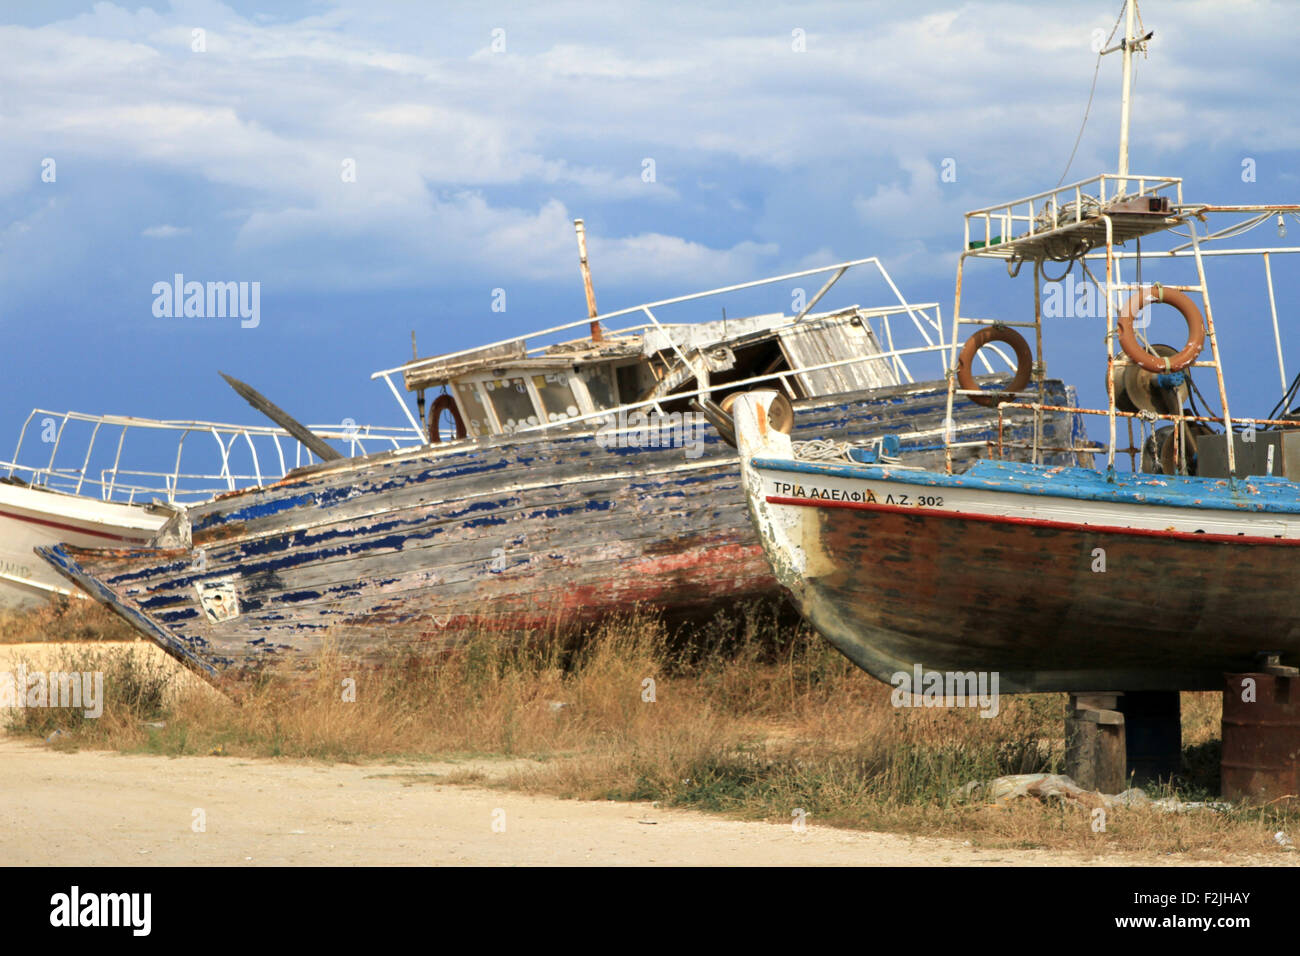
(1060, 577)
(577, 479)
(1054, 578)
(97, 501)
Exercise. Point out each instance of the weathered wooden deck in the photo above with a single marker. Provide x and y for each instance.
(424, 546)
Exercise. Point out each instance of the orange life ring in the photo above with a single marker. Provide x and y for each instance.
(1191, 314)
(1024, 363)
(444, 403)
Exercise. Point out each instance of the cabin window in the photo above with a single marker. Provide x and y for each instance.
(556, 394)
(473, 411)
(512, 403)
(629, 382)
(600, 386)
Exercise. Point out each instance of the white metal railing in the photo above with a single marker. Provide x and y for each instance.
(1052, 209)
(1183, 226)
(926, 319)
(267, 459)
(782, 377)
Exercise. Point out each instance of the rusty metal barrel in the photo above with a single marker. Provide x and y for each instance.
(1261, 736)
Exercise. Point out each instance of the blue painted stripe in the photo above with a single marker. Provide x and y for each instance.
(187, 652)
(1274, 495)
(417, 467)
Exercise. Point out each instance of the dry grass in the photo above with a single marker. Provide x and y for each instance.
(64, 619)
(749, 718)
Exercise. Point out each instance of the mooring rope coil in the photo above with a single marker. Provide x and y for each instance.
(827, 449)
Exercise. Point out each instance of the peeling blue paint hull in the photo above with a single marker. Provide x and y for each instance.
(413, 550)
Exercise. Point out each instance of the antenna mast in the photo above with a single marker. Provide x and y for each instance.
(1126, 103)
(1127, 46)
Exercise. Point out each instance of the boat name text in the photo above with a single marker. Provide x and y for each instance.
(783, 489)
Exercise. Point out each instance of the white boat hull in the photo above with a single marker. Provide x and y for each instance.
(31, 517)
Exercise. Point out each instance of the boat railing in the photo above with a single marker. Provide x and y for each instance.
(993, 229)
(925, 319)
(781, 378)
(269, 458)
(1176, 419)
(1062, 228)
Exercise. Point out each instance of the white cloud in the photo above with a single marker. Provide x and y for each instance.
(165, 232)
(476, 156)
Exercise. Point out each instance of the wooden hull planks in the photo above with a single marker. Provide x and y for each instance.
(419, 548)
(1055, 578)
(1022, 599)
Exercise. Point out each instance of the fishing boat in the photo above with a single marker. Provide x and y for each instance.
(563, 480)
(1158, 577)
(33, 517)
(98, 499)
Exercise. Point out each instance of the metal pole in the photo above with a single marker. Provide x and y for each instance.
(1126, 101)
(1040, 366)
(949, 428)
(826, 287)
(1214, 349)
(1277, 336)
(581, 230)
(1110, 343)
(419, 397)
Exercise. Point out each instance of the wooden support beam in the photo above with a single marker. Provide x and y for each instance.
(1094, 742)
(310, 440)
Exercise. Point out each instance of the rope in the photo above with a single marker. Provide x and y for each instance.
(827, 449)
(1061, 278)
(1088, 110)
(1209, 410)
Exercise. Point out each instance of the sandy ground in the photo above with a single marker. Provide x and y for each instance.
(94, 808)
(98, 808)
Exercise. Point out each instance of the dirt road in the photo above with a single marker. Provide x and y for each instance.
(96, 808)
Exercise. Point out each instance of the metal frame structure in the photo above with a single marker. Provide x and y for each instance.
(175, 484)
(926, 318)
(1065, 224)
(1051, 236)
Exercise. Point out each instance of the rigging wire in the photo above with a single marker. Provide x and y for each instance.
(1088, 109)
(1287, 397)
(1232, 232)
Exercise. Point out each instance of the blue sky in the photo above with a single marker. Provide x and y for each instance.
(225, 165)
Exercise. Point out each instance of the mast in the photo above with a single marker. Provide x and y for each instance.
(1126, 45)
(578, 227)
